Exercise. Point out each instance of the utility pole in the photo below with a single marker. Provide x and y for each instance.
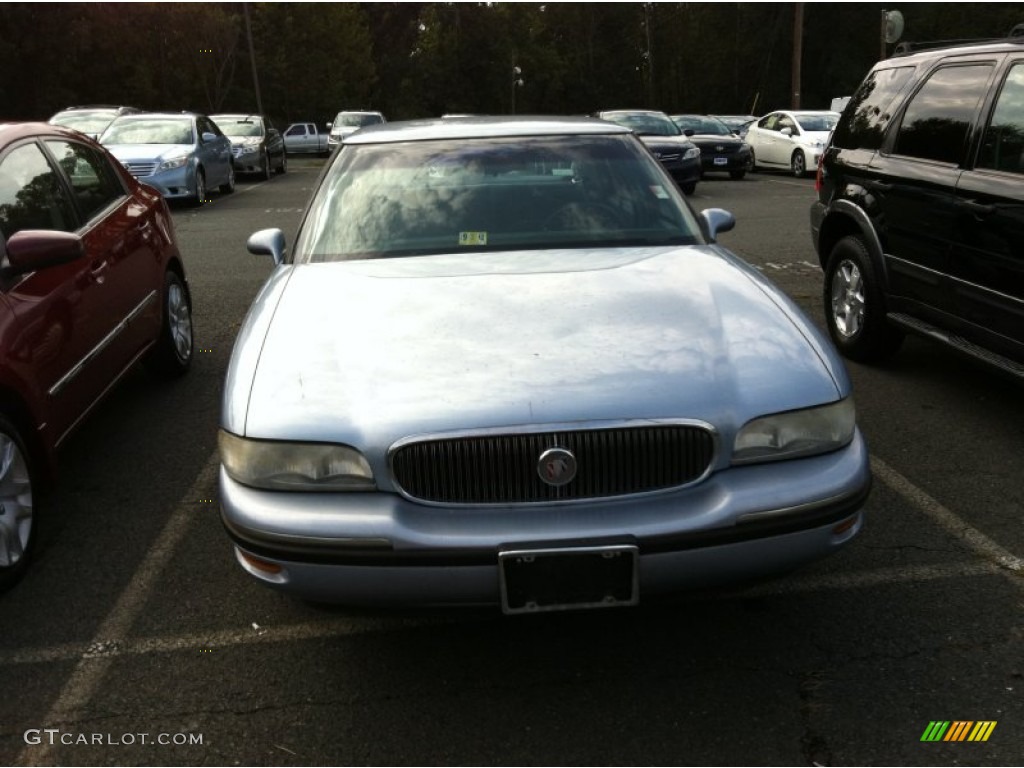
(798, 51)
(252, 60)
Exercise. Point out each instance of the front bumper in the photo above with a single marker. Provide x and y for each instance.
(249, 162)
(174, 184)
(683, 172)
(378, 548)
(711, 162)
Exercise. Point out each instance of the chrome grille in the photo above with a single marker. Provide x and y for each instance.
(141, 169)
(502, 469)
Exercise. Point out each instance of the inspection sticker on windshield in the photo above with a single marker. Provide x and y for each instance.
(659, 192)
(472, 238)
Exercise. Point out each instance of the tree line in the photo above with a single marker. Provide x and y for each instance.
(425, 59)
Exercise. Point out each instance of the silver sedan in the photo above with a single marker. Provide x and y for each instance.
(506, 364)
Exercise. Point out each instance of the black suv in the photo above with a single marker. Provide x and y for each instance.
(919, 223)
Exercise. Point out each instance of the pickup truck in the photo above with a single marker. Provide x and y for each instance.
(305, 138)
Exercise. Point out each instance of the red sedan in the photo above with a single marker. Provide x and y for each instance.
(91, 281)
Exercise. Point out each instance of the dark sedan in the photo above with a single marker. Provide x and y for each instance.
(256, 145)
(679, 156)
(91, 281)
(721, 150)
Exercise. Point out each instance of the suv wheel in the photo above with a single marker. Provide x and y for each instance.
(854, 309)
(798, 163)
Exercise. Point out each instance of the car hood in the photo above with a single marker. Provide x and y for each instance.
(667, 143)
(128, 153)
(711, 139)
(368, 352)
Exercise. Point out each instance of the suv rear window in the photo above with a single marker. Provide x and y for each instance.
(869, 109)
(939, 116)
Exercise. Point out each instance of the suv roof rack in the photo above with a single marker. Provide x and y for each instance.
(1016, 35)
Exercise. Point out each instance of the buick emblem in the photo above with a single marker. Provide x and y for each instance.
(556, 466)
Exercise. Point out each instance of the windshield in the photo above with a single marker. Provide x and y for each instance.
(239, 127)
(644, 124)
(481, 195)
(705, 126)
(817, 122)
(163, 130)
(86, 122)
(357, 120)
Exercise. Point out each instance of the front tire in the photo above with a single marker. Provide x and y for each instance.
(172, 354)
(17, 514)
(854, 308)
(283, 167)
(752, 167)
(200, 195)
(798, 164)
(689, 189)
(229, 186)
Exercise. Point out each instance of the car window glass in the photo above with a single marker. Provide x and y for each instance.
(91, 176)
(786, 122)
(417, 198)
(296, 130)
(769, 122)
(939, 116)
(1002, 146)
(870, 109)
(31, 194)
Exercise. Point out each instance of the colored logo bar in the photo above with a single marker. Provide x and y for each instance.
(958, 730)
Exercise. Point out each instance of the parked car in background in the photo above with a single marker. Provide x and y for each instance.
(919, 221)
(562, 393)
(738, 124)
(91, 120)
(679, 155)
(349, 121)
(256, 145)
(721, 150)
(302, 138)
(91, 280)
(790, 140)
(183, 154)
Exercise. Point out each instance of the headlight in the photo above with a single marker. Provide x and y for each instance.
(283, 466)
(173, 162)
(248, 149)
(794, 434)
(691, 153)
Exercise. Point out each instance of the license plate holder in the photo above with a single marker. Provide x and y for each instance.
(540, 580)
(721, 161)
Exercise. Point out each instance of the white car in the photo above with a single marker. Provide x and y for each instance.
(349, 122)
(792, 140)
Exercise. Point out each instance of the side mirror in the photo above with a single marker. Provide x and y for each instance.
(786, 131)
(268, 242)
(689, 132)
(209, 137)
(717, 220)
(32, 249)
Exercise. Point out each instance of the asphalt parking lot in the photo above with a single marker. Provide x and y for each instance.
(136, 639)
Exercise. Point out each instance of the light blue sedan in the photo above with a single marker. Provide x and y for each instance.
(505, 363)
(182, 154)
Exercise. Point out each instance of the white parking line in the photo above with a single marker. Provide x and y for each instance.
(951, 522)
(91, 669)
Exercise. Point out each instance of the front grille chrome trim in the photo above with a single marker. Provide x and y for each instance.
(506, 484)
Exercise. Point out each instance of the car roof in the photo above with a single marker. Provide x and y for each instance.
(237, 115)
(14, 131)
(483, 127)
